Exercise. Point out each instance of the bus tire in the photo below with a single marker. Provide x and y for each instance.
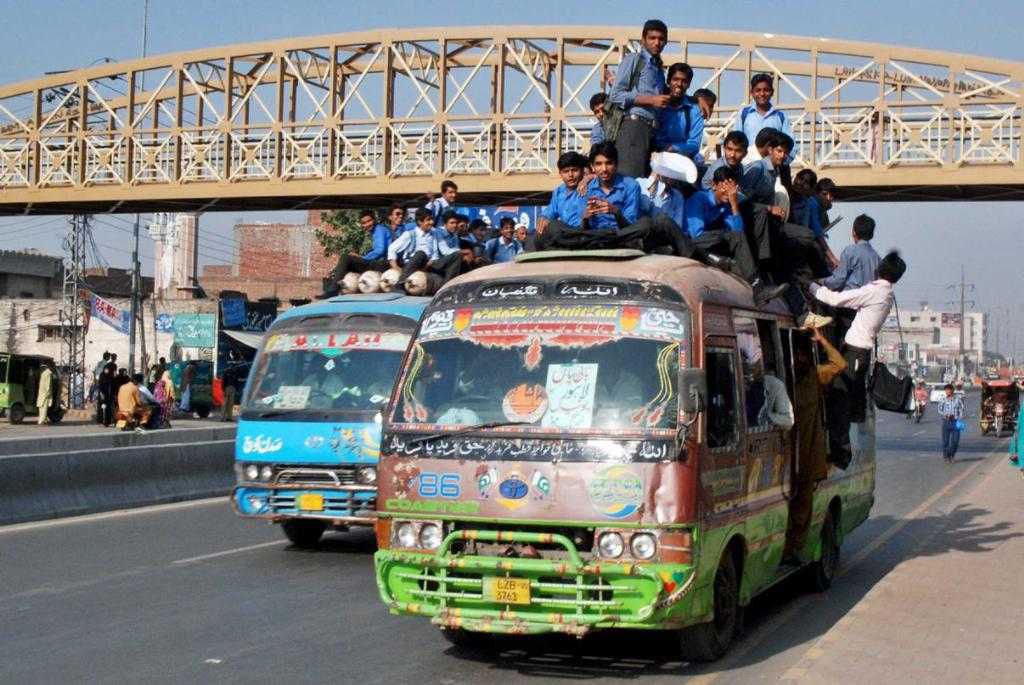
(55, 414)
(304, 533)
(823, 571)
(202, 410)
(710, 641)
(468, 640)
(16, 414)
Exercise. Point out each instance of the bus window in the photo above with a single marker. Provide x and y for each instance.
(3, 369)
(722, 417)
(752, 360)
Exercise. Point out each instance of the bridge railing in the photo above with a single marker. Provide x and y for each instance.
(480, 103)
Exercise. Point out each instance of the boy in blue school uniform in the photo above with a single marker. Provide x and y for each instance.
(375, 259)
(680, 122)
(760, 113)
(567, 203)
(505, 247)
(444, 203)
(597, 101)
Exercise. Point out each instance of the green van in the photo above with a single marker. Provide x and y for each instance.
(19, 386)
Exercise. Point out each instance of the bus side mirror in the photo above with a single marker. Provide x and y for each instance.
(693, 391)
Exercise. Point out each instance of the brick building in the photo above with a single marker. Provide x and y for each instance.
(273, 260)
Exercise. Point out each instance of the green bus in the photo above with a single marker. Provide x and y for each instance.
(576, 442)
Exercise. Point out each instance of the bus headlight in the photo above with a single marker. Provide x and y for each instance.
(252, 472)
(266, 473)
(430, 536)
(643, 546)
(610, 545)
(405, 534)
(367, 475)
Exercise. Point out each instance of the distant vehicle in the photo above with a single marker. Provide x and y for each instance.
(19, 386)
(936, 391)
(201, 397)
(1000, 401)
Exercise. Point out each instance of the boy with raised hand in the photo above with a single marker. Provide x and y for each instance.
(445, 202)
(680, 122)
(640, 98)
(375, 259)
(714, 222)
(597, 101)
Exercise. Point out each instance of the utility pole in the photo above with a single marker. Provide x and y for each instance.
(70, 316)
(963, 285)
(136, 266)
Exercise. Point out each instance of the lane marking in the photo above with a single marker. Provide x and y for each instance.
(769, 627)
(226, 552)
(118, 513)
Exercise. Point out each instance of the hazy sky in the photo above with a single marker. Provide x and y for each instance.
(936, 238)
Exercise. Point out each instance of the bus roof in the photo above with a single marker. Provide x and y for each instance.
(398, 304)
(694, 281)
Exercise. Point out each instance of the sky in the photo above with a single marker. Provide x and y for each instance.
(936, 238)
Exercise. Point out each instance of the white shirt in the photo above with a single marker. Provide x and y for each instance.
(777, 408)
(872, 303)
(432, 243)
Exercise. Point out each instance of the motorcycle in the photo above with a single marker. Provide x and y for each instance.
(918, 412)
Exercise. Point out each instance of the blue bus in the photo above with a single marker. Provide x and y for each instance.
(309, 432)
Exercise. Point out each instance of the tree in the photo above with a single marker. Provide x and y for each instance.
(341, 233)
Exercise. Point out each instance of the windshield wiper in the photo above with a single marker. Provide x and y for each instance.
(469, 429)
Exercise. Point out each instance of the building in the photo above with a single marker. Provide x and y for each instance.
(932, 338)
(273, 261)
(30, 274)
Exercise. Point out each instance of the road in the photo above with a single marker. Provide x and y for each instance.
(189, 592)
(30, 429)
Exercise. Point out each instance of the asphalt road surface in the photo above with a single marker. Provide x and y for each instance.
(190, 592)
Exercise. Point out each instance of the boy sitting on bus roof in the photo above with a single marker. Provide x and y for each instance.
(714, 222)
(425, 249)
(611, 217)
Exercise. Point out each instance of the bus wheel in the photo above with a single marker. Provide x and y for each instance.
(16, 413)
(468, 640)
(305, 534)
(709, 641)
(55, 415)
(823, 571)
(203, 411)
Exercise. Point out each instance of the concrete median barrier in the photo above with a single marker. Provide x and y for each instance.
(81, 481)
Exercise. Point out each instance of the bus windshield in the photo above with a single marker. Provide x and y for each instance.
(320, 373)
(558, 368)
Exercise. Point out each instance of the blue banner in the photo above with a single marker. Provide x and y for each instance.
(232, 312)
(115, 317)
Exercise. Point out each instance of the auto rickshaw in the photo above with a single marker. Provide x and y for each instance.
(19, 387)
(1000, 401)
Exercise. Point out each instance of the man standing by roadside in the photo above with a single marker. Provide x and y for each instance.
(951, 410)
(639, 91)
(44, 398)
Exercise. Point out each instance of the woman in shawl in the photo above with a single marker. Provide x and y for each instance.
(164, 395)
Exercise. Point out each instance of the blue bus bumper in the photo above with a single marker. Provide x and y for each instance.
(344, 506)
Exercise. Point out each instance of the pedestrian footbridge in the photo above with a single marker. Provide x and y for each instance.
(357, 118)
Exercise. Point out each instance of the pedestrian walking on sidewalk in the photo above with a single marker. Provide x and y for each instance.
(951, 409)
(1017, 443)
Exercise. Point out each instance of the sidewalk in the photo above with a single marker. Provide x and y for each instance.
(950, 613)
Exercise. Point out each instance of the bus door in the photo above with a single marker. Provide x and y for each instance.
(722, 466)
(766, 436)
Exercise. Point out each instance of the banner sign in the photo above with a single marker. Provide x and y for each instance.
(194, 330)
(951, 320)
(164, 323)
(115, 317)
(232, 312)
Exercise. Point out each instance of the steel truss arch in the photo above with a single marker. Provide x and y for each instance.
(361, 118)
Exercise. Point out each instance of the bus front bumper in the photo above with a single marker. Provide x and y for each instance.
(346, 505)
(566, 595)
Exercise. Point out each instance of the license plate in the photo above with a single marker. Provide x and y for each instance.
(507, 590)
(311, 502)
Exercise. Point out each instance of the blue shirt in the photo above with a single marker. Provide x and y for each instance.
(624, 194)
(951, 406)
(673, 133)
(433, 244)
(650, 82)
(857, 266)
(704, 214)
(805, 211)
(566, 205)
(597, 133)
(499, 251)
(751, 121)
(758, 181)
(658, 199)
(706, 181)
(381, 239)
(439, 207)
(450, 239)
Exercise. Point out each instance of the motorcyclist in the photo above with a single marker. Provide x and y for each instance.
(920, 400)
